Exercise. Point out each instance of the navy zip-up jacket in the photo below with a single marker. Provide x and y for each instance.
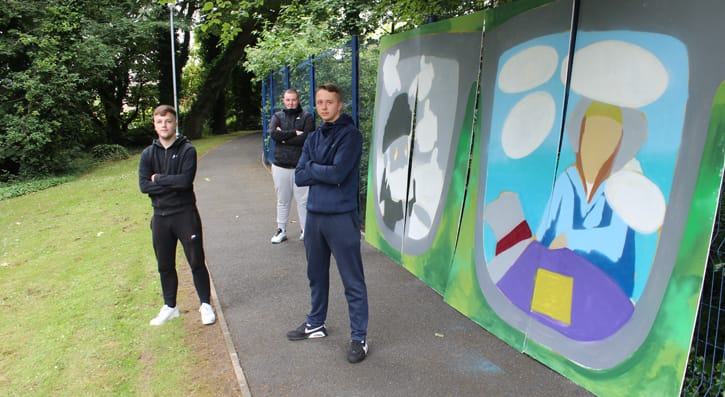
(173, 188)
(330, 166)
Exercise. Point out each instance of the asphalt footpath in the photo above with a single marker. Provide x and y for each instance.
(419, 346)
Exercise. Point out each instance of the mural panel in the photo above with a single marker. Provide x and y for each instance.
(577, 257)
(596, 164)
(569, 261)
(424, 107)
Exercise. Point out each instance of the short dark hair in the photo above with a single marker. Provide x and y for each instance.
(162, 110)
(330, 87)
(291, 91)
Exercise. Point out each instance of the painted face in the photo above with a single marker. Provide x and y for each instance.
(600, 138)
(165, 126)
(291, 101)
(328, 105)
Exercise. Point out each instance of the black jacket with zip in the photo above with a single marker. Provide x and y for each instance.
(287, 144)
(172, 190)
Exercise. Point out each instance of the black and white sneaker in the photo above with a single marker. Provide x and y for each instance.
(279, 236)
(304, 331)
(358, 351)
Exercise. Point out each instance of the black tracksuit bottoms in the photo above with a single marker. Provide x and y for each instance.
(184, 226)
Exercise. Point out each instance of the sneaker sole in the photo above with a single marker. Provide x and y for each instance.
(279, 242)
(355, 360)
(173, 316)
(313, 335)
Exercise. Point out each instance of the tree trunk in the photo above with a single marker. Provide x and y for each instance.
(245, 100)
(219, 75)
(216, 82)
(166, 79)
(111, 94)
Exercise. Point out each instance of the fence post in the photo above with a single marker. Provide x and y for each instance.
(312, 85)
(265, 121)
(355, 80)
(269, 143)
(286, 77)
(272, 108)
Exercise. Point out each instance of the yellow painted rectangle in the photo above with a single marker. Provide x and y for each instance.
(552, 295)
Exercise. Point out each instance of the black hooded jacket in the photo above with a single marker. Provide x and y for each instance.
(287, 144)
(172, 190)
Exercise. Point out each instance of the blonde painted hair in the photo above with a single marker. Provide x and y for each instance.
(597, 108)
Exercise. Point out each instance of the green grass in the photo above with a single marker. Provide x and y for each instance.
(78, 284)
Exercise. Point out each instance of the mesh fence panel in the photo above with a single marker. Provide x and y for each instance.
(705, 368)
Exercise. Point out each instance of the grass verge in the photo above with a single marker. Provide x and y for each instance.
(78, 284)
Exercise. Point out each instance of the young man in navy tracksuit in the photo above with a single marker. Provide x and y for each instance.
(330, 166)
(166, 173)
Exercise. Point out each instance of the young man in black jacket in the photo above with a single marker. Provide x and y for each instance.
(330, 166)
(289, 129)
(166, 173)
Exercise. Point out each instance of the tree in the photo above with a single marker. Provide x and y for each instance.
(73, 74)
(305, 28)
(51, 51)
(236, 25)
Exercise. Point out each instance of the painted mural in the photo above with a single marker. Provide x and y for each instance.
(596, 165)
(577, 261)
(426, 87)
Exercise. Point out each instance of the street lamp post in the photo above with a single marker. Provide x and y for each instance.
(172, 7)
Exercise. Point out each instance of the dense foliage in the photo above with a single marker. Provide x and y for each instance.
(59, 61)
(75, 74)
(307, 28)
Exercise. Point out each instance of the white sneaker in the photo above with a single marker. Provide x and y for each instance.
(302, 235)
(207, 314)
(166, 314)
(279, 236)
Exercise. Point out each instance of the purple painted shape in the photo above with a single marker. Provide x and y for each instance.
(599, 306)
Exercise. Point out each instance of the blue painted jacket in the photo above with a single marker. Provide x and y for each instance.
(330, 166)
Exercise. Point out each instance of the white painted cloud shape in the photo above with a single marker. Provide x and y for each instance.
(528, 69)
(617, 72)
(637, 200)
(528, 124)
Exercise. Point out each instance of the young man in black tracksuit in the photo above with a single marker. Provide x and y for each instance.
(166, 173)
(330, 166)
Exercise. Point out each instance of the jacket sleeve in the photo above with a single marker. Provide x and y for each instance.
(145, 170)
(273, 124)
(348, 150)
(301, 175)
(184, 180)
(279, 135)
